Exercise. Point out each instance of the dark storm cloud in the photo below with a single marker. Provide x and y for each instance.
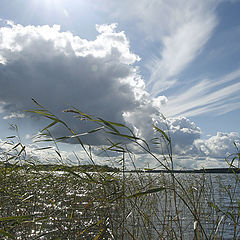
(60, 70)
(98, 77)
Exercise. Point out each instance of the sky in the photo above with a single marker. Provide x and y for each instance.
(125, 61)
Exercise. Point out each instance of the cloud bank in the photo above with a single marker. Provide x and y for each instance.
(60, 70)
(99, 77)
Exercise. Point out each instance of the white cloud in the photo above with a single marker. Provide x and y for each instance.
(182, 131)
(220, 145)
(217, 96)
(32, 152)
(14, 115)
(200, 153)
(43, 61)
(60, 70)
(159, 101)
(180, 48)
(2, 106)
(179, 30)
(182, 28)
(199, 162)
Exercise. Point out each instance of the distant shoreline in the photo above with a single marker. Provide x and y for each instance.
(207, 170)
(106, 168)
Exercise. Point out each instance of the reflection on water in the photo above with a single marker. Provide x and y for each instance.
(70, 205)
(205, 206)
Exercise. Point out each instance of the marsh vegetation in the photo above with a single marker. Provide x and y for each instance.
(69, 202)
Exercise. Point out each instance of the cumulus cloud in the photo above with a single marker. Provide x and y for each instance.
(182, 131)
(159, 101)
(32, 152)
(99, 77)
(14, 115)
(220, 145)
(61, 70)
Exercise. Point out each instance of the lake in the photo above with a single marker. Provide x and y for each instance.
(214, 200)
(72, 205)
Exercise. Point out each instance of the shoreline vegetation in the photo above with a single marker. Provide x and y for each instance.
(106, 168)
(100, 202)
(206, 170)
(61, 167)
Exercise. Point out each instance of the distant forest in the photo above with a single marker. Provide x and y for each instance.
(207, 170)
(106, 168)
(58, 167)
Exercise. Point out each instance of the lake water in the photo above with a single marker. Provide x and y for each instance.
(208, 207)
(68, 206)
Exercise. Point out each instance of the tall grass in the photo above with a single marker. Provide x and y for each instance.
(72, 203)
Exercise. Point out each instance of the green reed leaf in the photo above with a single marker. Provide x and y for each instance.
(6, 234)
(152, 190)
(162, 132)
(16, 218)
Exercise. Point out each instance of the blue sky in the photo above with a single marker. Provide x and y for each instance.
(127, 61)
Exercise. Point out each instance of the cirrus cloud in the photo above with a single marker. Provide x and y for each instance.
(180, 29)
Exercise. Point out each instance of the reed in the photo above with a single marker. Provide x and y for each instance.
(69, 202)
